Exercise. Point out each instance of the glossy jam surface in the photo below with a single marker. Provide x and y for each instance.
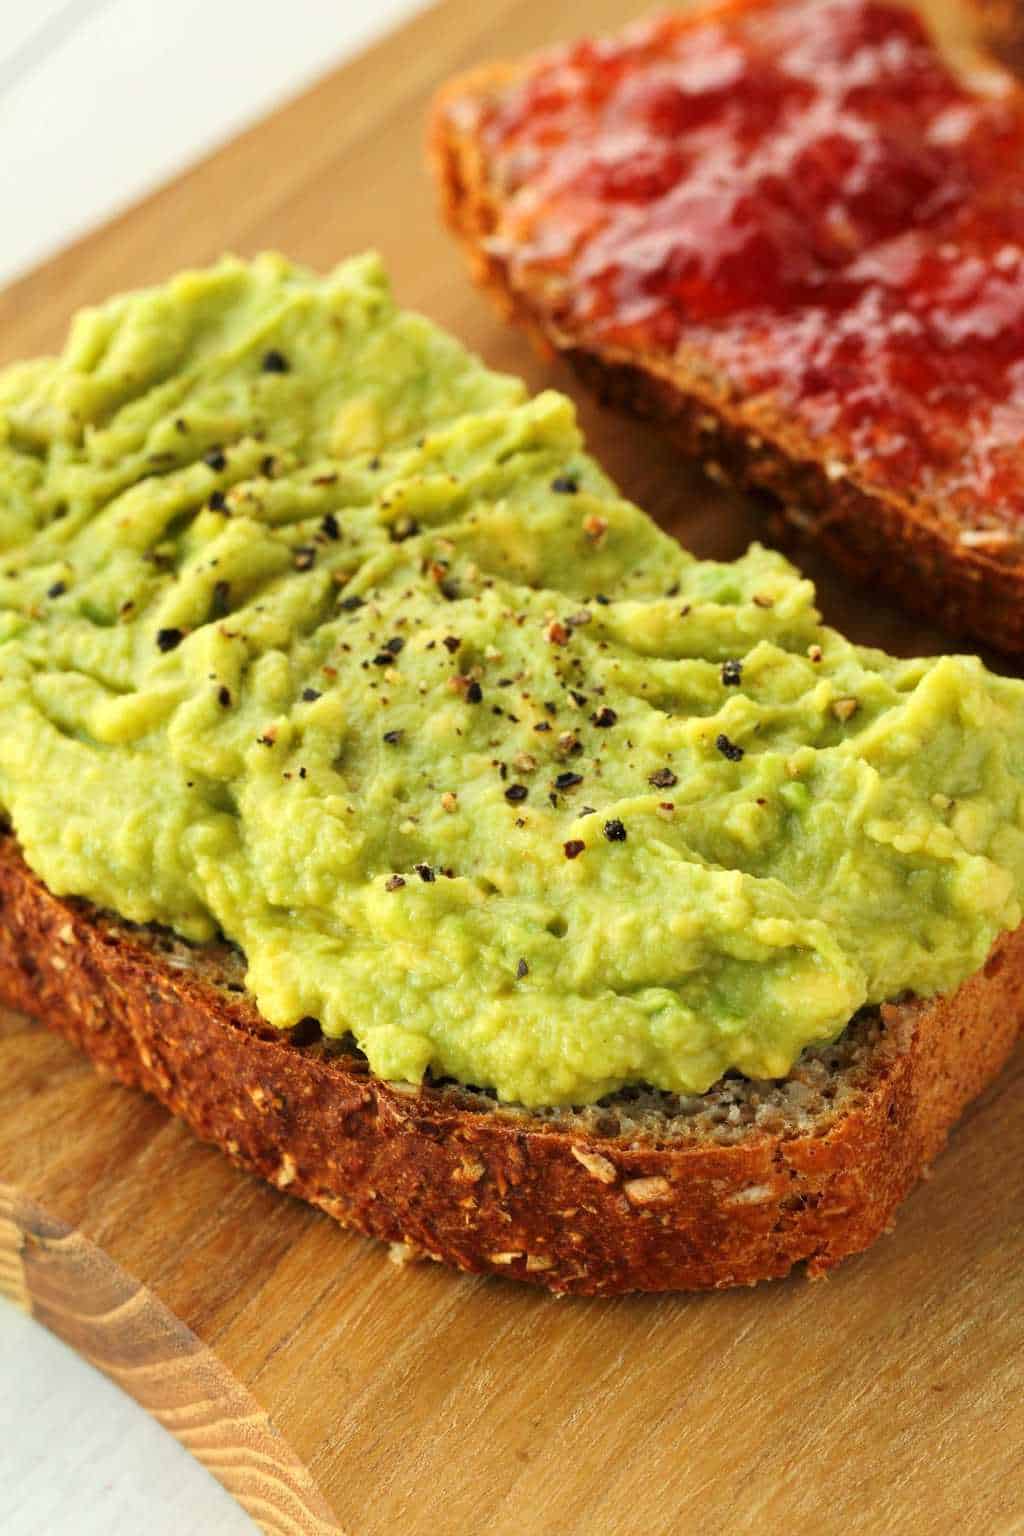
(811, 197)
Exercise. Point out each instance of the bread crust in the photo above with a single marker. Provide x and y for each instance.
(493, 1191)
(906, 545)
(1000, 23)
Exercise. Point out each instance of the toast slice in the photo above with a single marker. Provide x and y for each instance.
(920, 486)
(643, 1192)
(197, 513)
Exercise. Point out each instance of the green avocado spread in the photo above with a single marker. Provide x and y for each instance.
(317, 635)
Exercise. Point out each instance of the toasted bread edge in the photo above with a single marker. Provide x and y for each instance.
(498, 1191)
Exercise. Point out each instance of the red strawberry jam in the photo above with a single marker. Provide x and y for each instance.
(809, 195)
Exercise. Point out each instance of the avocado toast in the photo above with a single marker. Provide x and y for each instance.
(582, 887)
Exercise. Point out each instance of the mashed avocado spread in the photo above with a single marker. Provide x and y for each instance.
(316, 634)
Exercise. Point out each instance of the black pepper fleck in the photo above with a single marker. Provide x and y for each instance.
(451, 644)
(57, 590)
(567, 485)
(274, 362)
(350, 604)
(663, 778)
(404, 528)
(474, 693)
(329, 526)
(304, 557)
(425, 873)
(395, 883)
(573, 848)
(310, 695)
(224, 697)
(732, 673)
(729, 749)
(604, 717)
(215, 459)
(169, 639)
(220, 604)
(568, 780)
(217, 501)
(614, 831)
(516, 793)
(393, 738)
(522, 969)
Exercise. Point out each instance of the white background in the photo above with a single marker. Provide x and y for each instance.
(100, 100)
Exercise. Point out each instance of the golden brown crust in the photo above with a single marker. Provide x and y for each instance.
(488, 1191)
(1000, 24)
(908, 546)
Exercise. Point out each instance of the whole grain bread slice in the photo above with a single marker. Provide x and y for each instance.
(969, 580)
(643, 1192)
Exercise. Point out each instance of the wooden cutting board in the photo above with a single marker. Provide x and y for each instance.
(331, 1391)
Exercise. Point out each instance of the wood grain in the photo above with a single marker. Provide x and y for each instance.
(121, 1327)
(332, 1391)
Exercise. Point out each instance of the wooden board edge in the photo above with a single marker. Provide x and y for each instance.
(119, 1326)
